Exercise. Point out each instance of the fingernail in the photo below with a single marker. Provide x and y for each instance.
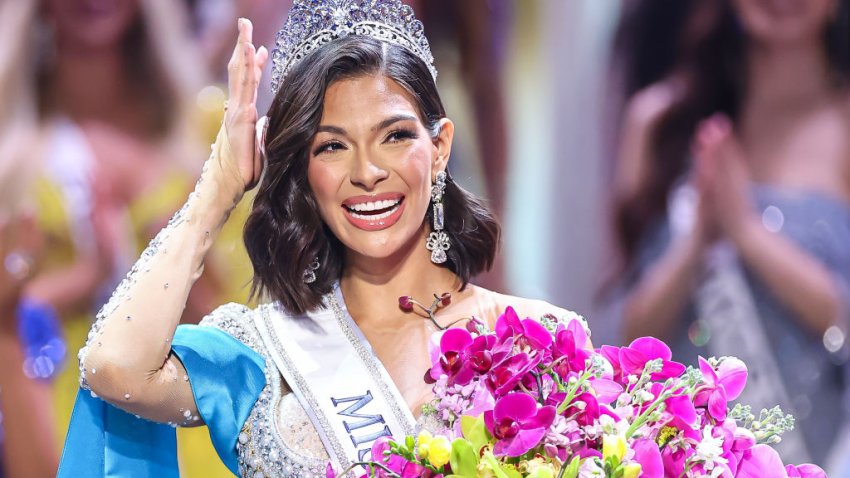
(241, 23)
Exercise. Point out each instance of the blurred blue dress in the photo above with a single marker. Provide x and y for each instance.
(814, 376)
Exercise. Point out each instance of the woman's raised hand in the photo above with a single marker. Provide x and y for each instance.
(237, 143)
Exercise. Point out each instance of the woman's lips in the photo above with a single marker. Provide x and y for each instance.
(374, 213)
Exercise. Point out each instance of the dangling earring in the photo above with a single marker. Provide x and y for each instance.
(438, 241)
(310, 271)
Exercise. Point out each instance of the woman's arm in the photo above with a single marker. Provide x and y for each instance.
(28, 444)
(654, 303)
(796, 278)
(127, 359)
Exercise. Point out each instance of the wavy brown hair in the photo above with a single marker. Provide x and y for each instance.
(284, 232)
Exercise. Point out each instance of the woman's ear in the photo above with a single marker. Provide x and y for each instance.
(442, 146)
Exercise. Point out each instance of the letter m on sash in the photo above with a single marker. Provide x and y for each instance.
(364, 419)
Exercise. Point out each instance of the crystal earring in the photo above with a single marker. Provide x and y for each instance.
(310, 271)
(438, 241)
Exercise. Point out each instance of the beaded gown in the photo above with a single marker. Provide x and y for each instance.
(257, 424)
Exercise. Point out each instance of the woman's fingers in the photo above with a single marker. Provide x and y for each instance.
(241, 77)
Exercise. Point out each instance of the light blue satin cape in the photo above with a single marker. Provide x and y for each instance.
(227, 378)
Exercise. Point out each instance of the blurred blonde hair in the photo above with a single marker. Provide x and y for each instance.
(167, 59)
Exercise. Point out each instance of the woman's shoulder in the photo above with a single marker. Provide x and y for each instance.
(237, 321)
(533, 308)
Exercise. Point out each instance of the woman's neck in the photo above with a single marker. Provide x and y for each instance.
(786, 76)
(374, 285)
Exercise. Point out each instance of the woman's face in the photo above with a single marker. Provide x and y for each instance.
(371, 165)
(784, 22)
(91, 25)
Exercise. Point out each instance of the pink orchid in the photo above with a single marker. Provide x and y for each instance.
(805, 471)
(674, 459)
(679, 407)
(633, 358)
(505, 376)
(569, 352)
(449, 360)
(649, 457)
(518, 424)
(721, 385)
(529, 336)
(761, 461)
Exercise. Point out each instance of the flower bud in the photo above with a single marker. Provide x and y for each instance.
(405, 303)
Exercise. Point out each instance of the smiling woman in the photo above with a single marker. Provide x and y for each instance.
(360, 122)
(354, 210)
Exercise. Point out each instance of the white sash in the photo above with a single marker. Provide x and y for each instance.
(725, 305)
(331, 369)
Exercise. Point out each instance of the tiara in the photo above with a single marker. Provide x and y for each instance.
(313, 23)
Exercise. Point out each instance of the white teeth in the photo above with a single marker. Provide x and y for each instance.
(374, 217)
(374, 206)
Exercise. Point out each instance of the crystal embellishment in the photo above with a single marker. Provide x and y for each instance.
(438, 241)
(314, 23)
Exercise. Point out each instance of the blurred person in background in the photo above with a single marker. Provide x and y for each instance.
(732, 203)
(108, 104)
(27, 438)
(27, 443)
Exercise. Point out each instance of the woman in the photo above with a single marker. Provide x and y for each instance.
(759, 100)
(354, 210)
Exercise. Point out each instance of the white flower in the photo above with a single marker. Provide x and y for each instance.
(709, 449)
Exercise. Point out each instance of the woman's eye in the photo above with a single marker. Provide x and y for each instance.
(329, 147)
(400, 135)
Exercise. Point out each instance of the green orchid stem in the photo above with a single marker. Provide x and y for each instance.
(643, 417)
(491, 460)
(430, 311)
(572, 392)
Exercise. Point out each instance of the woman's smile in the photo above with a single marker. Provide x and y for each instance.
(375, 212)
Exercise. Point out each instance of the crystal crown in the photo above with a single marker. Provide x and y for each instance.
(313, 23)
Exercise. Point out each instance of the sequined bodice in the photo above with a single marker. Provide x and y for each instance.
(278, 440)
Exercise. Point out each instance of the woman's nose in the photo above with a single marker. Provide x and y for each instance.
(366, 172)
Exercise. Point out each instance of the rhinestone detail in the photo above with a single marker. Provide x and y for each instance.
(314, 23)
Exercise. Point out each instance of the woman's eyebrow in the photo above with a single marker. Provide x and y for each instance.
(391, 120)
(331, 129)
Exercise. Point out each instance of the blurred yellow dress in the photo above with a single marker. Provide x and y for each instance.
(64, 201)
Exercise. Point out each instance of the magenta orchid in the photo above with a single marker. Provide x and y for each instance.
(722, 385)
(530, 398)
(518, 424)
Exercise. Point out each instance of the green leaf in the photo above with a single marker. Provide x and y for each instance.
(475, 431)
(408, 442)
(572, 468)
(464, 459)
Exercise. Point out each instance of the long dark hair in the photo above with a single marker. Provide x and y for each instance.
(284, 232)
(711, 68)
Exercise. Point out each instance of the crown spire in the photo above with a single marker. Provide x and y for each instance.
(313, 23)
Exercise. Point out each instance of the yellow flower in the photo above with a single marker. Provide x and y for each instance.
(613, 445)
(632, 470)
(439, 451)
(423, 446)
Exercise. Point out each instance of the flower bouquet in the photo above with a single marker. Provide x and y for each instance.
(531, 399)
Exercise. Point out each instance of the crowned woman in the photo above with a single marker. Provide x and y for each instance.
(354, 209)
